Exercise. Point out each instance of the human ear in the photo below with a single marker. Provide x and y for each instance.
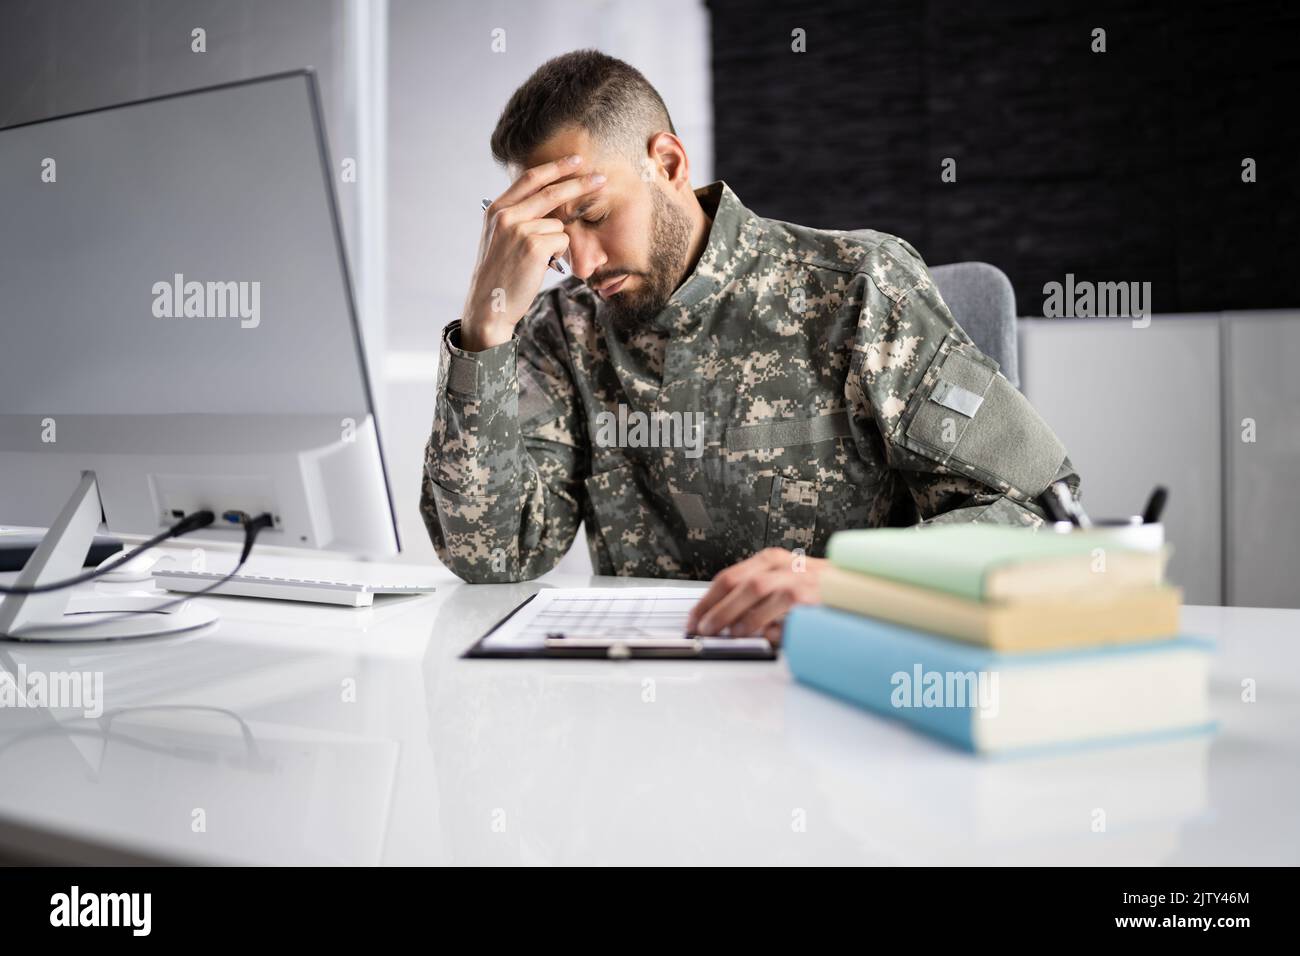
(666, 156)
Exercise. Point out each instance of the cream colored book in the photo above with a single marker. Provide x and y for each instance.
(1105, 616)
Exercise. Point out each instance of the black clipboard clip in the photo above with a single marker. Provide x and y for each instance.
(621, 649)
(627, 648)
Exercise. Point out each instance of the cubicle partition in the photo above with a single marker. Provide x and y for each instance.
(1207, 404)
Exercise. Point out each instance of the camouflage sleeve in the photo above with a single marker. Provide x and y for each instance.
(503, 469)
(966, 444)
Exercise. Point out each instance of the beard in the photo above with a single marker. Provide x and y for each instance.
(670, 239)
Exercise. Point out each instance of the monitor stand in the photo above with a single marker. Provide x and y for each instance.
(61, 616)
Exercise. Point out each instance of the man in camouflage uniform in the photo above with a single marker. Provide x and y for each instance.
(829, 384)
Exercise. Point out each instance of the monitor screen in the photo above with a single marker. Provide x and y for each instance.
(177, 255)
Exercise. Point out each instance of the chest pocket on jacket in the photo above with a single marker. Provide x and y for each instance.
(809, 481)
(791, 513)
(636, 538)
(967, 415)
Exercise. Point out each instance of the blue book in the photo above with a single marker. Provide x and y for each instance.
(995, 703)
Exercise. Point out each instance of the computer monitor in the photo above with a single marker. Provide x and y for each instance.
(179, 333)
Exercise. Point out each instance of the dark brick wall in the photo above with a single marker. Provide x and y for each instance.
(1124, 165)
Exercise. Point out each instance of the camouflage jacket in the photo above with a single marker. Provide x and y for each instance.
(803, 381)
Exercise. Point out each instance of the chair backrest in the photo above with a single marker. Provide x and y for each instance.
(981, 299)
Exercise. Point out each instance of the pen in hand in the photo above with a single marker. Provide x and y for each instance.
(559, 265)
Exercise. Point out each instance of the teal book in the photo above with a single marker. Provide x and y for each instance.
(1004, 704)
(994, 562)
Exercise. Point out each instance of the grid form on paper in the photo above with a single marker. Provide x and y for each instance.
(597, 616)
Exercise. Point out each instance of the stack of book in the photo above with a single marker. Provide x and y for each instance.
(1003, 639)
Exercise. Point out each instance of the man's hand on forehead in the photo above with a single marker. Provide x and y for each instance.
(572, 210)
(541, 190)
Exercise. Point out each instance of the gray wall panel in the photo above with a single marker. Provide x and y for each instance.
(1262, 362)
(1137, 407)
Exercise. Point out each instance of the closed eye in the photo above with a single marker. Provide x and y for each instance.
(596, 222)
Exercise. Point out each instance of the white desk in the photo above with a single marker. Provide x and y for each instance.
(444, 760)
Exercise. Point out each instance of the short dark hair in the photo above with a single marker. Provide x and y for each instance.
(608, 98)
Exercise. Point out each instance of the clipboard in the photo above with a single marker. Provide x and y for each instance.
(614, 647)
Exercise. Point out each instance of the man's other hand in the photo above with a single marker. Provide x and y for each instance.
(752, 597)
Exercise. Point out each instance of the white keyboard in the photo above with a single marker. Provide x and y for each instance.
(280, 588)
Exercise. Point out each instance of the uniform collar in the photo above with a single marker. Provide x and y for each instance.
(725, 256)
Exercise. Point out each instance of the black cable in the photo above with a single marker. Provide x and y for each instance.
(251, 527)
(192, 522)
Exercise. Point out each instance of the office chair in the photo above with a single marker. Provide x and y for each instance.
(982, 301)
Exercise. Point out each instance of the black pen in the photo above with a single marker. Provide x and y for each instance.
(1155, 505)
(556, 263)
